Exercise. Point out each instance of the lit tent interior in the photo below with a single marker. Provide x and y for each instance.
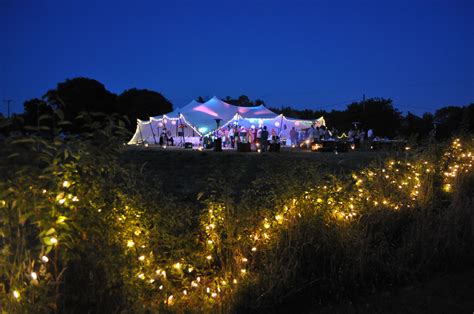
(196, 120)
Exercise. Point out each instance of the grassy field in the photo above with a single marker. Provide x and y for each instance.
(147, 229)
(185, 173)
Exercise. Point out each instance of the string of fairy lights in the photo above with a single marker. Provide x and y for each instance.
(212, 273)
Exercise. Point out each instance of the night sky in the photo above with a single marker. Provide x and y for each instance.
(306, 54)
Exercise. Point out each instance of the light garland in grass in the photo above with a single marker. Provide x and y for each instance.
(397, 185)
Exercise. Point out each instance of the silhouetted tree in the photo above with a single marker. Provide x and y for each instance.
(34, 112)
(80, 94)
(142, 104)
(377, 114)
(467, 123)
(243, 101)
(448, 121)
(413, 125)
(259, 102)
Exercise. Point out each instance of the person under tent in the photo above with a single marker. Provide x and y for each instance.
(293, 136)
(264, 139)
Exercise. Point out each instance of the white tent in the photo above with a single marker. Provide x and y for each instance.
(191, 122)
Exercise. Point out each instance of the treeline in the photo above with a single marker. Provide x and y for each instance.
(384, 119)
(77, 95)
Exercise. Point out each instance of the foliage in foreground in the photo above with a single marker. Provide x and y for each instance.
(80, 232)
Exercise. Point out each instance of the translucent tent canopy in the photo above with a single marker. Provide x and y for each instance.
(195, 120)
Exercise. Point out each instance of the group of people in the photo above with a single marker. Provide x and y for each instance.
(232, 135)
(261, 137)
(166, 138)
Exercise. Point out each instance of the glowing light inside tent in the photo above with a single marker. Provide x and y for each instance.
(206, 110)
(252, 127)
(243, 110)
(277, 124)
(297, 123)
(173, 122)
(165, 121)
(202, 129)
(160, 124)
(260, 122)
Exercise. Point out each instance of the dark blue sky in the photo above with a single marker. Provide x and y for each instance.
(307, 54)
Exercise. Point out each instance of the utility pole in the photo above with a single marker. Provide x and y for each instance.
(8, 102)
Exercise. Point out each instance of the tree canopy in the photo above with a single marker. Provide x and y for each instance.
(142, 104)
(81, 94)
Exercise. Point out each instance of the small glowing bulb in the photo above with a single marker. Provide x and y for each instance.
(243, 271)
(45, 259)
(152, 280)
(214, 294)
(33, 275)
(245, 260)
(209, 257)
(190, 269)
(198, 279)
(266, 225)
(61, 201)
(185, 292)
(141, 258)
(160, 287)
(53, 240)
(177, 265)
(16, 294)
(130, 243)
(254, 249)
(66, 184)
(141, 276)
(208, 289)
(234, 281)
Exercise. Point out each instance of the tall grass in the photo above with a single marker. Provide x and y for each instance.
(80, 232)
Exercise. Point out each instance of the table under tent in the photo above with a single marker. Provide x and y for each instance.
(197, 120)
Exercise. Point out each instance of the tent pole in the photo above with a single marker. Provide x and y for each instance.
(151, 127)
(279, 129)
(141, 135)
(162, 124)
(177, 125)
